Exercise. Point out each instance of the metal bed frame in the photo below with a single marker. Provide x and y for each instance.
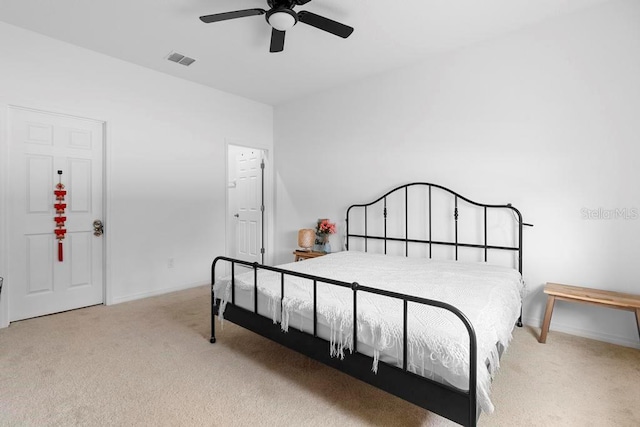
(455, 404)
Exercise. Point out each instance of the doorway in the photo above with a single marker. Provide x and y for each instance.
(246, 203)
(48, 152)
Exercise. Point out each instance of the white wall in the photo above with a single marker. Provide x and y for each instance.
(545, 118)
(166, 155)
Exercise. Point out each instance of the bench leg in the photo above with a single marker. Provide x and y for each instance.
(547, 318)
(638, 320)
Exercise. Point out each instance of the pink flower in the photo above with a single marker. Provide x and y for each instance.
(325, 227)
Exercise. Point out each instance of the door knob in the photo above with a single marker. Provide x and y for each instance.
(237, 215)
(98, 228)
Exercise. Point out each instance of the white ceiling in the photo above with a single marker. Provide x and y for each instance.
(233, 55)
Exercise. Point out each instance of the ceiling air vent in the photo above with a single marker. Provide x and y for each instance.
(180, 59)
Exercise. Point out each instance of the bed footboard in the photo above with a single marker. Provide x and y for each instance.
(457, 405)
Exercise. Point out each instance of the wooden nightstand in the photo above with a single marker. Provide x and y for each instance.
(301, 255)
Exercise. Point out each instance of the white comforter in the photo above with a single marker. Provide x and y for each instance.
(489, 295)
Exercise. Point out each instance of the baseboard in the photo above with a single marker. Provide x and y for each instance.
(585, 333)
(4, 318)
(141, 295)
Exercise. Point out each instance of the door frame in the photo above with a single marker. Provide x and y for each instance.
(5, 105)
(267, 223)
(4, 244)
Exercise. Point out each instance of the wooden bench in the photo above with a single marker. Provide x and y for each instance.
(599, 297)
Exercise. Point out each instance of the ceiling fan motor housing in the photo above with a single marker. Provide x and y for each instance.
(288, 4)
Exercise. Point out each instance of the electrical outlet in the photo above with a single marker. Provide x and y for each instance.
(170, 263)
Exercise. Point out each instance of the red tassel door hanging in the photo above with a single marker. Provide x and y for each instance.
(60, 207)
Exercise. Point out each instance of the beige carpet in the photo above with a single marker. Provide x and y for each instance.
(149, 362)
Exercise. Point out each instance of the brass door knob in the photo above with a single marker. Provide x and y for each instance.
(98, 228)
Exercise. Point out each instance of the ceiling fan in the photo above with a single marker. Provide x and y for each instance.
(281, 17)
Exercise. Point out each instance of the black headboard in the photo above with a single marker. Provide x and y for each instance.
(422, 216)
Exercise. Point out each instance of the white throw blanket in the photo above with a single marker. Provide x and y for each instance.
(489, 295)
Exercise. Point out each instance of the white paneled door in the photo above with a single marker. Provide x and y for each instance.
(42, 144)
(249, 204)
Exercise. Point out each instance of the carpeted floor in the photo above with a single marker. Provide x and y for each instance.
(149, 362)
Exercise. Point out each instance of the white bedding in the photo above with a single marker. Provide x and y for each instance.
(438, 343)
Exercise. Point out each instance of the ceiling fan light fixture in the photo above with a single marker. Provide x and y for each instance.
(282, 19)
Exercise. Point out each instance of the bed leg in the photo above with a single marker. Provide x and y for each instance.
(519, 322)
(212, 340)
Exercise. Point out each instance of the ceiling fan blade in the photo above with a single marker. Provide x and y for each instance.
(301, 2)
(217, 17)
(277, 41)
(325, 24)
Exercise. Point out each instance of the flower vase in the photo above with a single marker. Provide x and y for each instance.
(326, 245)
(321, 242)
